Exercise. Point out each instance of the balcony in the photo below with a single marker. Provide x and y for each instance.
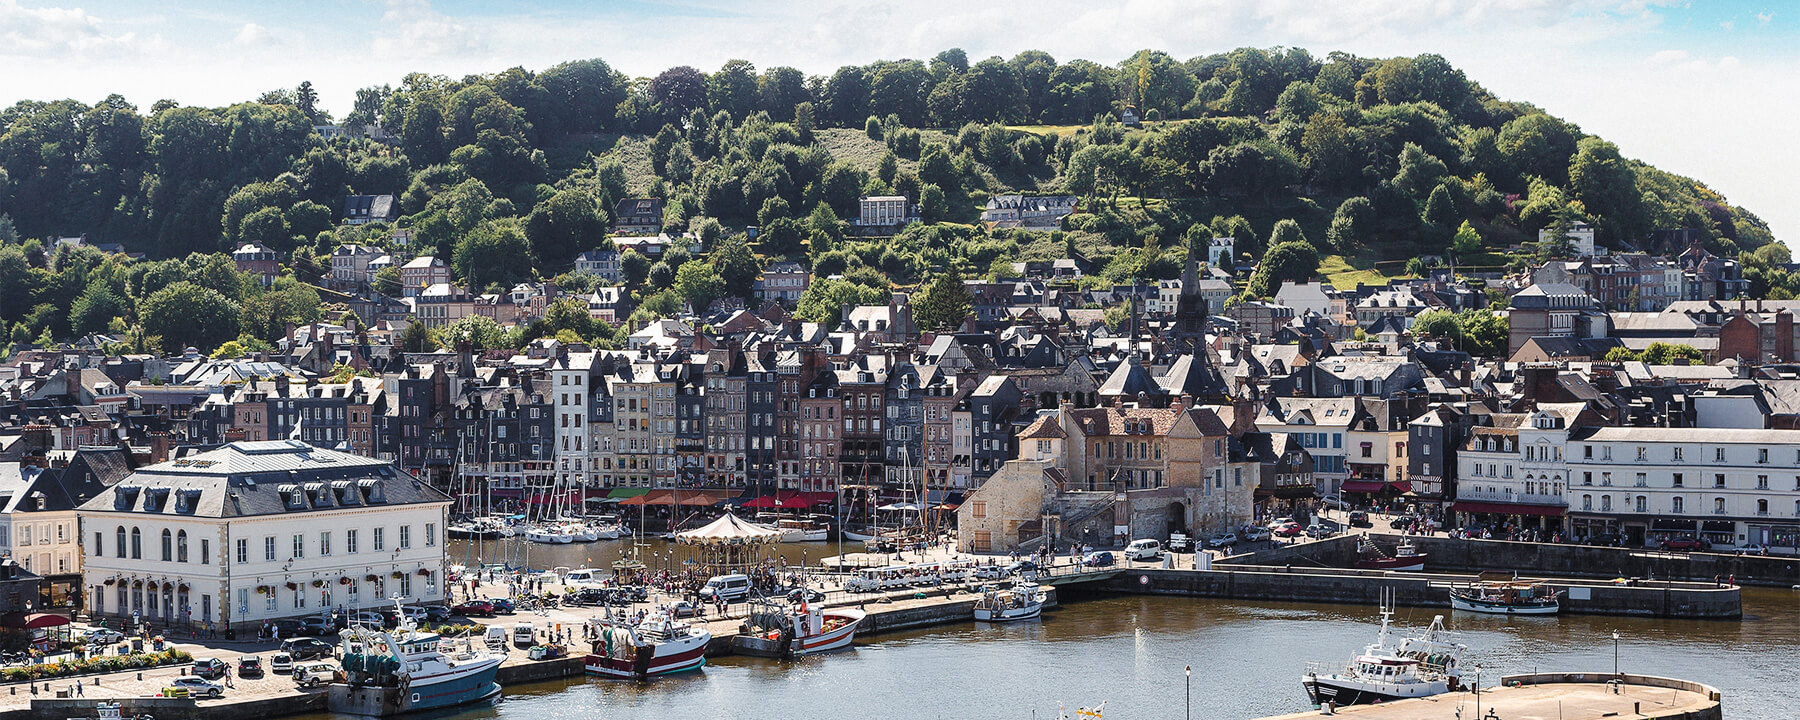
(1514, 498)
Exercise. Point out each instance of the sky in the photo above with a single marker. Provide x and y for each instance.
(1706, 89)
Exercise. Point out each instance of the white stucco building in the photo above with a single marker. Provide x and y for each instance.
(1728, 486)
(259, 530)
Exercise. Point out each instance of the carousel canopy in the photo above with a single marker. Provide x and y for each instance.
(729, 529)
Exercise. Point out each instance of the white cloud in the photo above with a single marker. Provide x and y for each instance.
(1765, 17)
(252, 35)
(412, 30)
(50, 33)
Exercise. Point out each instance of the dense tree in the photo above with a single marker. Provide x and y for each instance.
(678, 91)
(185, 314)
(733, 89)
(699, 283)
(825, 298)
(943, 304)
(1441, 325)
(1296, 261)
(496, 252)
(563, 226)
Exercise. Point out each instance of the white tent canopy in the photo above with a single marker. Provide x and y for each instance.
(729, 530)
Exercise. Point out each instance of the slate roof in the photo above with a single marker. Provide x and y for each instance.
(277, 477)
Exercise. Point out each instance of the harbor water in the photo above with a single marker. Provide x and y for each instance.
(1129, 651)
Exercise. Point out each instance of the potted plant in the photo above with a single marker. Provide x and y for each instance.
(318, 583)
(397, 574)
(343, 581)
(424, 573)
(292, 586)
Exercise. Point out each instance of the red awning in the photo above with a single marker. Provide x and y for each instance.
(33, 621)
(1508, 509)
(821, 498)
(660, 497)
(1362, 486)
(761, 501)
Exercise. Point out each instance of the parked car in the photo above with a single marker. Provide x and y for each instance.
(313, 675)
(1607, 540)
(1278, 522)
(1359, 518)
(1320, 531)
(1145, 549)
(1685, 543)
(373, 619)
(1180, 543)
(633, 593)
(314, 627)
(308, 648)
(437, 613)
(281, 663)
(796, 595)
(210, 668)
(503, 606)
(473, 608)
(1024, 568)
(1256, 534)
(586, 596)
(250, 666)
(1098, 558)
(104, 636)
(683, 608)
(1288, 530)
(1221, 539)
(198, 687)
(287, 628)
(1400, 522)
(990, 572)
(1334, 502)
(733, 587)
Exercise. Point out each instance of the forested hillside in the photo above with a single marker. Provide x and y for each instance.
(508, 176)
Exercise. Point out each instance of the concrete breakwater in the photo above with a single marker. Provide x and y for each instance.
(1447, 554)
(1569, 696)
(1253, 582)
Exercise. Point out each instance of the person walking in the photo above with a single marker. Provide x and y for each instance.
(79, 691)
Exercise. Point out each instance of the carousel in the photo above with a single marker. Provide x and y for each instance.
(729, 544)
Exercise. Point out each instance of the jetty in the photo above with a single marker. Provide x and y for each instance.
(1567, 696)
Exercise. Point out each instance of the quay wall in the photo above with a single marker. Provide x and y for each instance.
(1713, 710)
(1447, 554)
(1417, 589)
(172, 708)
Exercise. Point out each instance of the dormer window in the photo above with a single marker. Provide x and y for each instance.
(291, 498)
(126, 497)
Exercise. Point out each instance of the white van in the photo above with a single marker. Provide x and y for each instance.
(731, 587)
(1145, 549)
(524, 635)
(583, 576)
(496, 637)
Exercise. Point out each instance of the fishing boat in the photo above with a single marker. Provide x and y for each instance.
(1506, 597)
(1406, 557)
(660, 645)
(406, 670)
(1419, 666)
(776, 631)
(1023, 601)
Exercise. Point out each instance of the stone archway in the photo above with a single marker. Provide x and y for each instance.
(1175, 519)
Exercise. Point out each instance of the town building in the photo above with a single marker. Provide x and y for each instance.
(249, 532)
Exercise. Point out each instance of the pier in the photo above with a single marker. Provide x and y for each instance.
(1565, 696)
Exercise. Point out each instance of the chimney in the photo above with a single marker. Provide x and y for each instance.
(1468, 372)
(159, 446)
(1784, 336)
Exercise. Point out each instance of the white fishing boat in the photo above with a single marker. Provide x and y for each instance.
(776, 631)
(1506, 597)
(1419, 666)
(1023, 601)
(660, 645)
(408, 671)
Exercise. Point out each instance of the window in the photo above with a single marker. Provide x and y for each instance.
(181, 553)
(1718, 480)
(243, 551)
(1719, 506)
(1587, 502)
(269, 549)
(168, 546)
(1605, 503)
(98, 537)
(1675, 504)
(299, 546)
(1762, 482)
(978, 509)
(1678, 454)
(1643, 480)
(1762, 456)
(1675, 480)
(1642, 452)
(119, 543)
(1762, 506)
(1587, 451)
(380, 542)
(1587, 478)
(1642, 501)
(1718, 454)
(325, 543)
(137, 544)
(205, 551)
(430, 534)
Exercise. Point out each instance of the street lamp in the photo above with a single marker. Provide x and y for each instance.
(1615, 653)
(1189, 672)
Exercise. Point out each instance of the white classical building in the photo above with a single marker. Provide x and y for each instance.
(1728, 486)
(1514, 472)
(259, 530)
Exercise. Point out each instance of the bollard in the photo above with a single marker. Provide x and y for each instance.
(140, 676)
